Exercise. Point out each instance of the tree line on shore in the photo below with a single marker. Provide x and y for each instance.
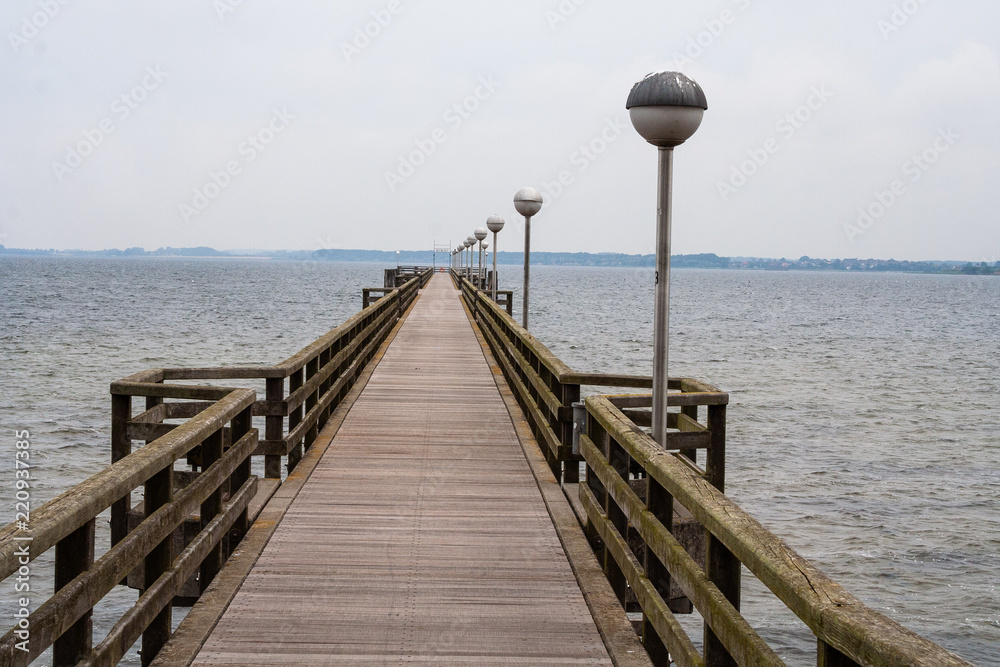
(607, 259)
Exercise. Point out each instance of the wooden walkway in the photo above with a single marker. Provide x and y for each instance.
(421, 536)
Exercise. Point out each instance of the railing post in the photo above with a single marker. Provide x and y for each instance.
(616, 457)
(661, 504)
(324, 358)
(240, 426)
(273, 427)
(74, 555)
(721, 566)
(121, 446)
(827, 656)
(211, 451)
(338, 345)
(312, 369)
(715, 464)
(158, 492)
(568, 395)
(723, 569)
(692, 412)
(295, 381)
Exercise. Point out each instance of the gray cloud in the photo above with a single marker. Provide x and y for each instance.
(563, 78)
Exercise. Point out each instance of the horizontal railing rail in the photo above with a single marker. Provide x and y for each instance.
(847, 631)
(218, 497)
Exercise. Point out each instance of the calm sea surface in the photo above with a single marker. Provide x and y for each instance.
(864, 424)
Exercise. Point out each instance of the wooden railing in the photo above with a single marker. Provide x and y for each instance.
(641, 555)
(629, 509)
(218, 497)
(171, 545)
(546, 389)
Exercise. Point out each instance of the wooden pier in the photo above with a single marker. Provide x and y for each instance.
(422, 484)
(420, 535)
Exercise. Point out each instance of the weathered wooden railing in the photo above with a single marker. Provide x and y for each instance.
(848, 632)
(172, 544)
(546, 389)
(218, 497)
(628, 502)
(303, 389)
(394, 278)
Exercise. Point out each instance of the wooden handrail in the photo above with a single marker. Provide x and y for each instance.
(838, 619)
(546, 387)
(68, 511)
(67, 522)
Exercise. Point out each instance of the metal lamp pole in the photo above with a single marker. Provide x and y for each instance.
(485, 245)
(480, 234)
(527, 202)
(666, 108)
(495, 224)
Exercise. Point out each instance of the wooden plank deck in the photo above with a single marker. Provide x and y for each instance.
(421, 536)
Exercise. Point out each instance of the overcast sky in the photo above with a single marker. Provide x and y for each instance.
(857, 128)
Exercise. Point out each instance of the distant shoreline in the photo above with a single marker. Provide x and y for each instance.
(583, 259)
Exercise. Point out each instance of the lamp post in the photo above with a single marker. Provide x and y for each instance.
(469, 242)
(483, 271)
(527, 202)
(480, 234)
(495, 224)
(666, 108)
